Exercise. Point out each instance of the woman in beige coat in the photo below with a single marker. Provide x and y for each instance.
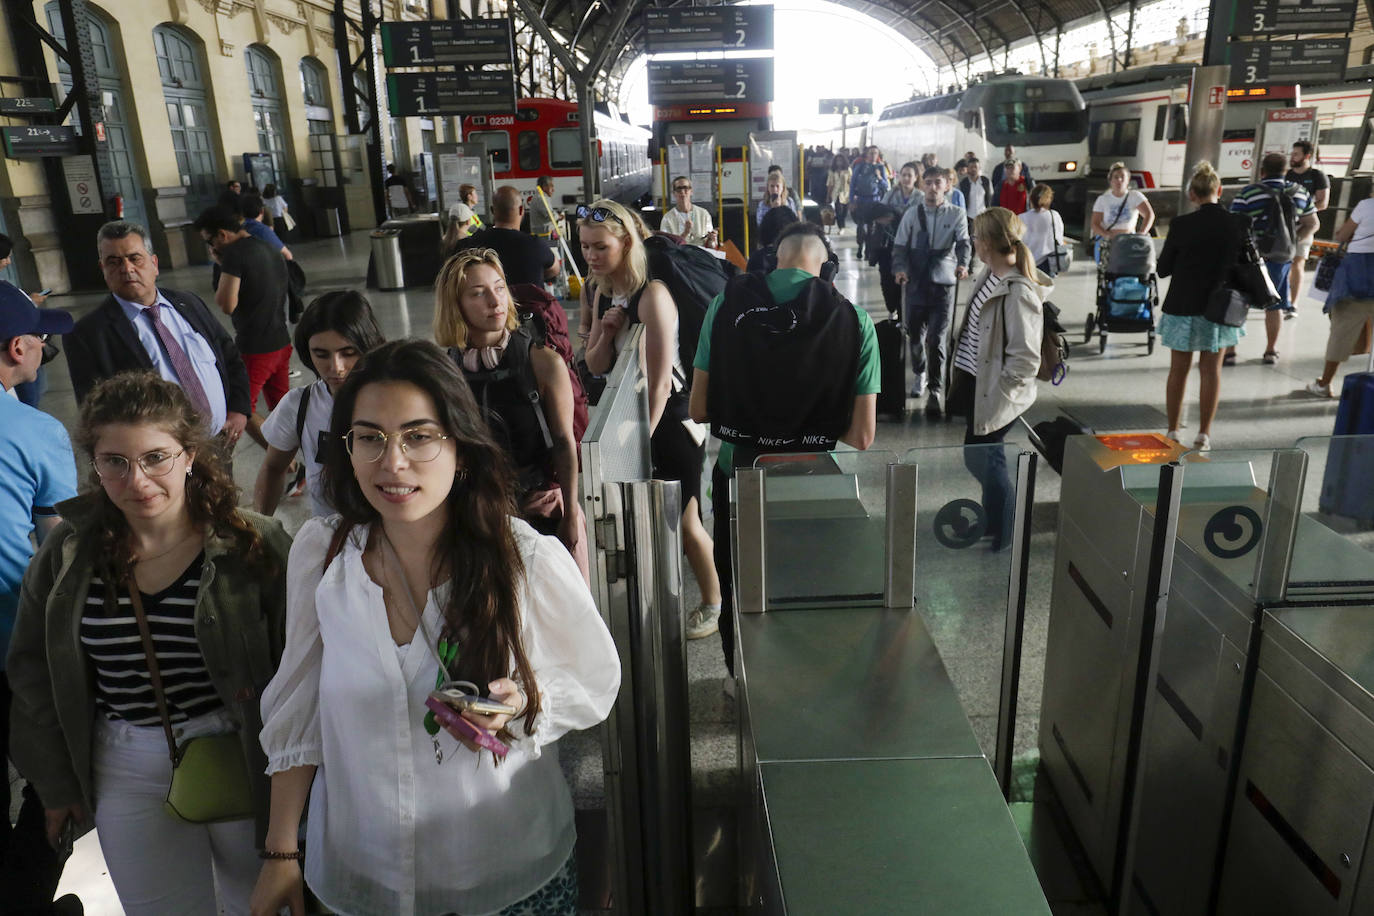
(997, 357)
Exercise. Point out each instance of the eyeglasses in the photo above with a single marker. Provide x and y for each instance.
(421, 443)
(682, 187)
(154, 464)
(596, 214)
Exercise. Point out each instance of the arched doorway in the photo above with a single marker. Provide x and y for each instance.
(109, 83)
(181, 66)
(319, 120)
(269, 115)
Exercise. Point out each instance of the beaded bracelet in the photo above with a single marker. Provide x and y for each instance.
(273, 854)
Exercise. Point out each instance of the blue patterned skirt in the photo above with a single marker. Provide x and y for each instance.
(1196, 334)
(558, 896)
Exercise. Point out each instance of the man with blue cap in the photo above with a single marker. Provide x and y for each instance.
(37, 471)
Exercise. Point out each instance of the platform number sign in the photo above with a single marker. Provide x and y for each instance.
(846, 107)
(1284, 17)
(443, 42)
(450, 93)
(1312, 61)
(737, 79)
(709, 28)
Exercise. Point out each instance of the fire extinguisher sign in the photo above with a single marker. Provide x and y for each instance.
(82, 188)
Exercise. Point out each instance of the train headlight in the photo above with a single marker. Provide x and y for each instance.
(1068, 166)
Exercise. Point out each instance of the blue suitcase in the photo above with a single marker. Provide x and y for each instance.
(1348, 482)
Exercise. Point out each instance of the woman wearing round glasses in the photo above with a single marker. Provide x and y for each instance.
(424, 590)
(620, 294)
(157, 543)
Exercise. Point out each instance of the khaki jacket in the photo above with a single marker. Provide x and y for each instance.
(240, 623)
(1010, 324)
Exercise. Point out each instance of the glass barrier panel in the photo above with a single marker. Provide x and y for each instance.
(1331, 555)
(965, 501)
(1223, 507)
(826, 518)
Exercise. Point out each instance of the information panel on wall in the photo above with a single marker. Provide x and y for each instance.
(709, 28)
(1286, 17)
(1312, 61)
(26, 106)
(451, 93)
(35, 142)
(442, 42)
(740, 79)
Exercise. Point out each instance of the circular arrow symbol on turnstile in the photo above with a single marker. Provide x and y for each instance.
(1225, 534)
(960, 523)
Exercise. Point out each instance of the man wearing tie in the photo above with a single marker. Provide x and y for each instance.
(140, 326)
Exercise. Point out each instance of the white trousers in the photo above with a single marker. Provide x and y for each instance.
(162, 866)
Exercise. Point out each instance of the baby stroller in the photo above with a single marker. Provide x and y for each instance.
(1127, 291)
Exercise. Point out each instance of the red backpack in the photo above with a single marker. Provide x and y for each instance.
(543, 316)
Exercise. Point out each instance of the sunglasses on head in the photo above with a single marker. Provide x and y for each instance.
(596, 214)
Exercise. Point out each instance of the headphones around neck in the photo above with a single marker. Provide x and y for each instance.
(832, 261)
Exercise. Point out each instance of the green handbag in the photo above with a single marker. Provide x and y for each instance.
(210, 781)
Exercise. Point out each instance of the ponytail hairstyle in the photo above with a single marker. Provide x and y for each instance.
(1205, 181)
(1000, 229)
(1118, 166)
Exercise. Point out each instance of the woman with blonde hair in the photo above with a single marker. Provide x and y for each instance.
(151, 618)
(837, 188)
(997, 357)
(619, 294)
(475, 316)
(1199, 252)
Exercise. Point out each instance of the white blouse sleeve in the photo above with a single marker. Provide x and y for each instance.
(291, 703)
(576, 667)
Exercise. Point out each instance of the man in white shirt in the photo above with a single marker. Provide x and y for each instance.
(691, 222)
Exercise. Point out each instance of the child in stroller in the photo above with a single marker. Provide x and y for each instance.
(1127, 290)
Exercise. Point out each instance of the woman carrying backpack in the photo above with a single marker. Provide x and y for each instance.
(619, 294)
(522, 387)
(997, 357)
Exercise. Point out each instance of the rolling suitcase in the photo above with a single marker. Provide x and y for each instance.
(1049, 436)
(1346, 489)
(892, 354)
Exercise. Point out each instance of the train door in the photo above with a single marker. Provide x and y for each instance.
(269, 115)
(110, 84)
(181, 66)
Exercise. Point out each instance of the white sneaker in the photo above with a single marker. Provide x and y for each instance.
(1203, 442)
(1174, 435)
(703, 621)
(1318, 389)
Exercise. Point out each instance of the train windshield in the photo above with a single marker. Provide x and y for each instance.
(1048, 120)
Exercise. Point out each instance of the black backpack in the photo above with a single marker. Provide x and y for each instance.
(1277, 238)
(694, 277)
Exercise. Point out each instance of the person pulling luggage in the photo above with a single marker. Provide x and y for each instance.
(929, 257)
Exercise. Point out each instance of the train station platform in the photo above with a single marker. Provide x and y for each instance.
(1121, 389)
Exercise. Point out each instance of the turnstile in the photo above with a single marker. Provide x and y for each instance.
(1145, 715)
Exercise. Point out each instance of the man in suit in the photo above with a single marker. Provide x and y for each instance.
(140, 326)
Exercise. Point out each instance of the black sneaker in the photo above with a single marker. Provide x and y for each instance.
(933, 411)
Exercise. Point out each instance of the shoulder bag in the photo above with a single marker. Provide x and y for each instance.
(210, 781)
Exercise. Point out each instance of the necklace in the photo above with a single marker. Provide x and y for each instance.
(445, 651)
(157, 556)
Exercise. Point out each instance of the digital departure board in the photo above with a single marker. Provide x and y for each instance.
(709, 28)
(35, 142)
(1312, 61)
(738, 79)
(1287, 17)
(450, 93)
(440, 42)
(26, 106)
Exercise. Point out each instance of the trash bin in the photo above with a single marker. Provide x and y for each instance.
(385, 264)
(329, 224)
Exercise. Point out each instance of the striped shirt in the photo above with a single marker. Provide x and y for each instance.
(966, 354)
(1253, 200)
(124, 689)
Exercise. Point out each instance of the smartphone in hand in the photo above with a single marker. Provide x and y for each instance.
(462, 729)
(461, 701)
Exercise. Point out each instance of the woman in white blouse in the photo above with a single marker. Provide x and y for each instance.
(1121, 209)
(426, 560)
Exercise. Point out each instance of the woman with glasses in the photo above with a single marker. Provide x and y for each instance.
(523, 390)
(620, 294)
(156, 554)
(436, 648)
